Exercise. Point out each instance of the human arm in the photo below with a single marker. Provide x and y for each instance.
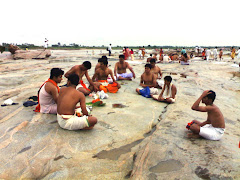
(160, 72)
(111, 74)
(131, 69)
(174, 91)
(115, 69)
(90, 81)
(95, 75)
(83, 104)
(141, 82)
(196, 106)
(52, 90)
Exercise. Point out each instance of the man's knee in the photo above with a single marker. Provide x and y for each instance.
(195, 128)
(84, 91)
(138, 91)
(92, 120)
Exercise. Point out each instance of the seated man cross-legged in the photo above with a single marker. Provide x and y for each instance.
(101, 75)
(82, 70)
(168, 93)
(48, 93)
(213, 128)
(68, 98)
(148, 79)
(120, 70)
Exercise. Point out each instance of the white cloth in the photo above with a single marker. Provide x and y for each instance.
(156, 97)
(166, 58)
(167, 92)
(215, 52)
(208, 52)
(211, 133)
(110, 48)
(46, 101)
(124, 75)
(72, 122)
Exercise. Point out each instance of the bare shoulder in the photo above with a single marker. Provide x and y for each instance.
(49, 86)
(109, 71)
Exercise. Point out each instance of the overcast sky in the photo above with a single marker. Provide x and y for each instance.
(125, 22)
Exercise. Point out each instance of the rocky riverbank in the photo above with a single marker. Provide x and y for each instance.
(143, 140)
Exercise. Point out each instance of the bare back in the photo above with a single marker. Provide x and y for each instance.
(68, 99)
(215, 117)
(76, 70)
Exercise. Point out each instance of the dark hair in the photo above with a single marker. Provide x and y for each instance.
(87, 64)
(185, 55)
(121, 56)
(153, 60)
(168, 78)
(151, 55)
(104, 57)
(100, 60)
(131, 49)
(212, 95)
(148, 65)
(55, 72)
(104, 61)
(74, 79)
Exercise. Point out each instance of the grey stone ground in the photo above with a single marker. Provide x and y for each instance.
(125, 143)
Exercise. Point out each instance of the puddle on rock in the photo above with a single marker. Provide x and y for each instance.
(167, 166)
(114, 154)
(118, 106)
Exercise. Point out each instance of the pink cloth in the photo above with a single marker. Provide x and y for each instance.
(46, 101)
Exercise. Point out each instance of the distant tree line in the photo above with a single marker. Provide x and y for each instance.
(74, 46)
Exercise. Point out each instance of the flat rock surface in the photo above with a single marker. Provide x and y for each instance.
(143, 140)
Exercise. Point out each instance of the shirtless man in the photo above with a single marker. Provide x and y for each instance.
(48, 93)
(184, 59)
(98, 64)
(148, 79)
(120, 70)
(213, 128)
(157, 72)
(68, 98)
(155, 69)
(101, 75)
(82, 70)
(168, 93)
(220, 54)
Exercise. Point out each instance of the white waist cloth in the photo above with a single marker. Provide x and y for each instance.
(211, 133)
(72, 122)
(125, 75)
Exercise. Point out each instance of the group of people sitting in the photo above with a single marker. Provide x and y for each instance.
(64, 102)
